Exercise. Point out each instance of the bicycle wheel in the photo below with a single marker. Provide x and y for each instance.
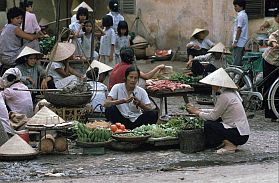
(273, 98)
(239, 78)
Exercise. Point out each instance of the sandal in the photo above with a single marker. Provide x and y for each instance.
(225, 151)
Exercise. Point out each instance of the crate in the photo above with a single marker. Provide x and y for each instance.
(191, 141)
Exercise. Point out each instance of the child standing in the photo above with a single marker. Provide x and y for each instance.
(86, 40)
(240, 31)
(122, 39)
(107, 41)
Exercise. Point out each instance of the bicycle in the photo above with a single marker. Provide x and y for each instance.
(251, 90)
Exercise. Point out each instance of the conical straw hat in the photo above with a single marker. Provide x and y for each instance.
(43, 22)
(84, 5)
(28, 51)
(16, 146)
(197, 30)
(62, 51)
(219, 78)
(219, 48)
(138, 39)
(102, 67)
(45, 116)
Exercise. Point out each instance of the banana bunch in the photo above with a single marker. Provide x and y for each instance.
(92, 135)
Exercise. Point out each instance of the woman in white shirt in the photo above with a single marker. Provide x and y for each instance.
(128, 103)
(227, 122)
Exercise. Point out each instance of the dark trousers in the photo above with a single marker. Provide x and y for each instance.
(195, 52)
(148, 117)
(267, 69)
(215, 133)
(199, 69)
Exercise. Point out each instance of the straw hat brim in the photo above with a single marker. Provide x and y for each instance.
(219, 48)
(102, 67)
(45, 116)
(219, 78)
(196, 31)
(84, 5)
(28, 51)
(62, 51)
(16, 146)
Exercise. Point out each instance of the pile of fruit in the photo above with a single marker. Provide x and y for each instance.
(118, 128)
(184, 78)
(86, 134)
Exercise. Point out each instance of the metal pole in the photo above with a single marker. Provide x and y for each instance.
(93, 33)
(58, 5)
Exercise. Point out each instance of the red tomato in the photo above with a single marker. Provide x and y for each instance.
(122, 127)
(113, 128)
(118, 125)
(118, 131)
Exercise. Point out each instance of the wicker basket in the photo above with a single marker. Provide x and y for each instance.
(191, 141)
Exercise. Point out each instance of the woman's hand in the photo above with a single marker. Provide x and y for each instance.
(136, 102)
(192, 110)
(275, 45)
(189, 64)
(128, 100)
(197, 47)
(44, 84)
(31, 81)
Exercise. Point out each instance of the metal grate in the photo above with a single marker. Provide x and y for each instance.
(127, 6)
(255, 9)
(3, 5)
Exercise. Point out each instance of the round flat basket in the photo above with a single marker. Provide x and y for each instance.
(93, 144)
(68, 100)
(122, 138)
(18, 157)
(124, 146)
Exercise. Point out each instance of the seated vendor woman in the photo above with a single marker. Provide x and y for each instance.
(10, 39)
(199, 44)
(17, 101)
(64, 76)
(128, 103)
(127, 56)
(214, 59)
(33, 74)
(227, 123)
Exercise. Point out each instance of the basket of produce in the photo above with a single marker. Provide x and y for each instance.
(91, 135)
(191, 140)
(130, 136)
(162, 55)
(180, 77)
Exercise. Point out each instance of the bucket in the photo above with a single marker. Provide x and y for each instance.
(24, 134)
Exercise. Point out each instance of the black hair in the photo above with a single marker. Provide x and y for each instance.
(93, 73)
(127, 55)
(26, 4)
(276, 13)
(82, 11)
(107, 21)
(131, 69)
(86, 22)
(14, 12)
(11, 78)
(122, 25)
(114, 5)
(241, 3)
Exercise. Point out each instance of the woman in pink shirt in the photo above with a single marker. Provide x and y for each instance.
(18, 101)
(227, 123)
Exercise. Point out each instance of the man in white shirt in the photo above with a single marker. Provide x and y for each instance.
(240, 32)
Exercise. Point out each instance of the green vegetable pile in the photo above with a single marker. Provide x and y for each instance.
(92, 135)
(171, 128)
(184, 78)
(46, 44)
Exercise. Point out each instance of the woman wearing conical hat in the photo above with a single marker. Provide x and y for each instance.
(33, 74)
(199, 44)
(63, 75)
(227, 123)
(215, 59)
